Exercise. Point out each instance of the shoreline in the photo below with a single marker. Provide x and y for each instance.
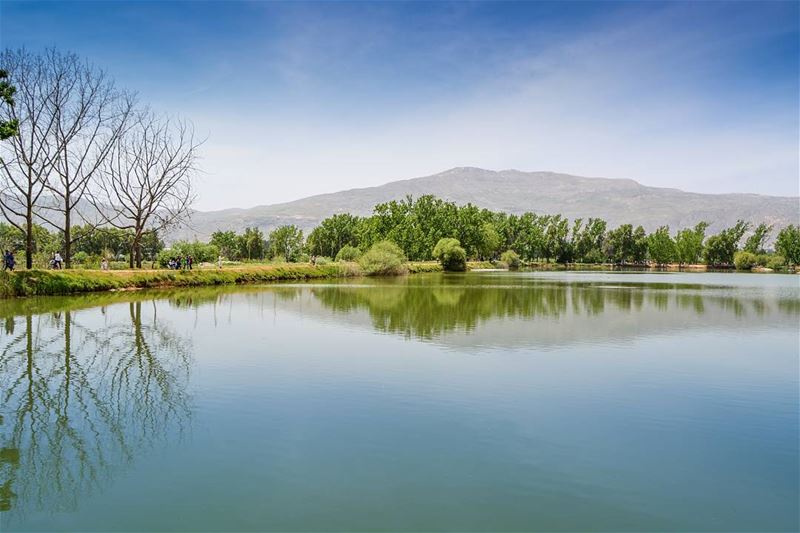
(28, 283)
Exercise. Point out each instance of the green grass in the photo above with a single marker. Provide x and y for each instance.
(49, 282)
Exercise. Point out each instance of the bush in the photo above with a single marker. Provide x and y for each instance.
(200, 252)
(745, 260)
(384, 258)
(348, 253)
(321, 261)
(511, 258)
(776, 262)
(451, 255)
(80, 258)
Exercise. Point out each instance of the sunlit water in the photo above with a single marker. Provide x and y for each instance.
(493, 401)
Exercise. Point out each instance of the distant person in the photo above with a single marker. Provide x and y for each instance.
(104, 264)
(219, 261)
(57, 261)
(8, 260)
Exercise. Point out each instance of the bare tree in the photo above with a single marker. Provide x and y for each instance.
(27, 160)
(89, 114)
(147, 180)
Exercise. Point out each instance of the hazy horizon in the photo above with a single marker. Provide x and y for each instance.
(244, 207)
(308, 98)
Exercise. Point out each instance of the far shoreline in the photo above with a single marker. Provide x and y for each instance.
(36, 282)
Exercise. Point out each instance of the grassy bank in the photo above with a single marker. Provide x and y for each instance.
(50, 282)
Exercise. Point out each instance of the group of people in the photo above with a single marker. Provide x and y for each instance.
(180, 263)
(56, 262)
(8, 260)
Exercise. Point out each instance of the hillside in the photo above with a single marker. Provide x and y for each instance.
(615, 200)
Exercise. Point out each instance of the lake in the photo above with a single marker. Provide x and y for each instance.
(484, 401)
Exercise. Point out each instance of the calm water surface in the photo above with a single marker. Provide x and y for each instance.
(485, 401)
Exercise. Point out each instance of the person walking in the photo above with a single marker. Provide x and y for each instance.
(219, 261)
(104, 264)
(8, 260)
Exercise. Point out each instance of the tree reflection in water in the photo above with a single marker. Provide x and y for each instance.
(426, 309)
(79, 400)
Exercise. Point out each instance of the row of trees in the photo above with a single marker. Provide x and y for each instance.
(91, 243)
(79, 150)
(419, 226)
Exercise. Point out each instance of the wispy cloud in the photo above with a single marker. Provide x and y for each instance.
(300, 99)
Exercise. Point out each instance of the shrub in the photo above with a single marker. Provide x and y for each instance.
(348, 253)
(384, 258)
(199, 251)
(321, 261)
(450, 254)
(511, 258)
(80, 258)
(776, 262)
(745, 260)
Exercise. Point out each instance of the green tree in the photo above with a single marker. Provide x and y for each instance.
(620, 244)
(333, 234)
(200, 252)
(689, 244)
(788, 244)
(744, 260)
(721, 247)
(251, 244)
(286, 241)
(348, 253)
(587, 240)
(383, 258)
(450, 254)
(8, 127)
(511, 258)
(227, 242)
(661, 247)
(755, 242)
(489, 241)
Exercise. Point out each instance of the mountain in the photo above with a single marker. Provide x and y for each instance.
(618, 201)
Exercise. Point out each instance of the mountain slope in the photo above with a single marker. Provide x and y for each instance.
(617, 201)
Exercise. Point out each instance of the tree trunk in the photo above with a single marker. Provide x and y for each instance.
(29, 238)
(67, 237)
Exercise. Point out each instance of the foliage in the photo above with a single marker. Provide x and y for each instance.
(512, 259)
(52, 282)
(8, 128)
(488, 244)
(721, 247)
(587, 240)
(450, 254)
(775, 262)
(199, 252)
(788, 244)
(333, 234)
(252, 244)
(286, 241)
(626, 245)
(383, 258)
(689, 244)
(660, 246)
(744, 260)
(348, 253)
(755, 242)
(227, 242)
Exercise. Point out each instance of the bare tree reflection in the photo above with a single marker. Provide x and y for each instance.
(80, 400)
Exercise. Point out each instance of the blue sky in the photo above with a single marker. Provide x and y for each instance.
(303, 98)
